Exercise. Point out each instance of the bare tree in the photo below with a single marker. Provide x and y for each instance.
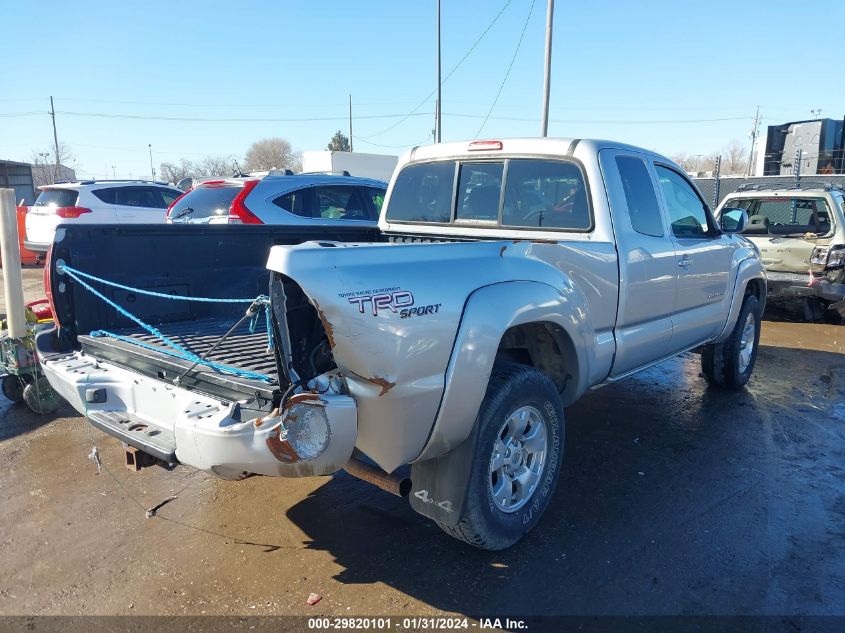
(173, 173)
(734, 159)
(271, 153)
(216, 166)
(208, 166)
(44, 165)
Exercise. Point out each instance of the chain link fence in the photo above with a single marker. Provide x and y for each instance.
(729, 184)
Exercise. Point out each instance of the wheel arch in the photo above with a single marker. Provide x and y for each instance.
(522, 321)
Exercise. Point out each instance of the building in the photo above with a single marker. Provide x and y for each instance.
(821, 143)
(18, 176)
(45, 174)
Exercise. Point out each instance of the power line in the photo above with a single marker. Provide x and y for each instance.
(446, 78)
(144, 117)
(508, 72)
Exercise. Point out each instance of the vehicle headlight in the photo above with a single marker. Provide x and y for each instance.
(836, 257)
(819, 255)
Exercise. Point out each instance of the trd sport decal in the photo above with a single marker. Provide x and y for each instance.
(393, 299)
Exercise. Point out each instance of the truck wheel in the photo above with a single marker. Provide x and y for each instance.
(13, 388)
(729, 364)
(517, 458)
(41, 397)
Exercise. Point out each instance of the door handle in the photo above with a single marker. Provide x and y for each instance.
(684, 261)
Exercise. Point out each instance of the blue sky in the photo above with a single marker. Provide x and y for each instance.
(654, 73)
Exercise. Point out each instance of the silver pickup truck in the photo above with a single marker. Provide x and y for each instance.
(507, 278)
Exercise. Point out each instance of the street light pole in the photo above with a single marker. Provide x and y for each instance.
(544, 117)
(152, 169)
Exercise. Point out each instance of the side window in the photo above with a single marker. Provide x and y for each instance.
(479, 189)
(341, 203)
(376, 197)
(169, 196)
(423, 193)
(298, 202)
(105, 195)
(138, 197)
(687, 212)
(640, 196)
(546, 194)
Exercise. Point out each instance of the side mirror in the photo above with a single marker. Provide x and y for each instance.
(733, 220)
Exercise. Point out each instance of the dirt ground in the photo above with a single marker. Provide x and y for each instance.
(674, 499)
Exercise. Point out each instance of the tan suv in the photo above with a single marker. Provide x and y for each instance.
(800, 232)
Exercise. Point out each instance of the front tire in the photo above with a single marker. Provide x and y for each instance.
(729, 364)
(517, 458)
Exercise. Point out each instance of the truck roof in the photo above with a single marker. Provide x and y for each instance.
(525, 145)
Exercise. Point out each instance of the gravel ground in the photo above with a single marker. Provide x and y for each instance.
(674, 499)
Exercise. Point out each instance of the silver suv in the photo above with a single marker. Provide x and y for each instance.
(800, 232)
(95, 202)
(291, 199)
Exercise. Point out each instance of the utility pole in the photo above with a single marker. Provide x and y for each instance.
(55, 137)
(350, 123)
(754, 132)
(547, 77)
(438, 119)
(152, 169)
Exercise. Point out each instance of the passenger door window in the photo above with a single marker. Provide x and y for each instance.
(687, 211)
(148, 197)
(641, 199)
(341, 203)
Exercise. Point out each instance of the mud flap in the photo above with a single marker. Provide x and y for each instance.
(440, 485)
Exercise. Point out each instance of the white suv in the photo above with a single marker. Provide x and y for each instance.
(95, 202)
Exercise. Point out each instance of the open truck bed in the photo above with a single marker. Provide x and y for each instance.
(219, 261)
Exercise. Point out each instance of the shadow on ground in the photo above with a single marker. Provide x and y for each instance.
(674, 498)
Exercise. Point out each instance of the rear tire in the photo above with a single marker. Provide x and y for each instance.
(517, 458)
(40, 397)
(729, 364)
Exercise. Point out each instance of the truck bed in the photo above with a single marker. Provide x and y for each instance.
(242, 350)
(218, 261)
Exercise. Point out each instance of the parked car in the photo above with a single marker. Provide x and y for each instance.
(505, 279)
(800, 231)
(281, 199)
(95, 202)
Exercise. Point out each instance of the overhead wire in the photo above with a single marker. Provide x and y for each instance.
(508, 71)
(445, 79)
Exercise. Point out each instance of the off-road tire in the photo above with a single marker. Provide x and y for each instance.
(13, 388)
(482, 523)
(720, 362)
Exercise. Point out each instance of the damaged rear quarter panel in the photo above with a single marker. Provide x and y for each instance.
(395, 367)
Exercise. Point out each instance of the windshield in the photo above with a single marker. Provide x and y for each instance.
(518, 193)
(785, 215)
(204, 204)
(57, 197)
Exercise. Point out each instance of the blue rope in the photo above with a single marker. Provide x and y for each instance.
(75, 274)
(183, 356)
(179, 351)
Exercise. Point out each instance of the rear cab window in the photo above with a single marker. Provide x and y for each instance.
(57, 198)
(529, 193)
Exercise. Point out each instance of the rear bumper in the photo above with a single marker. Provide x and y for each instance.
(37, 247)
(785, 285)
(313, 435)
